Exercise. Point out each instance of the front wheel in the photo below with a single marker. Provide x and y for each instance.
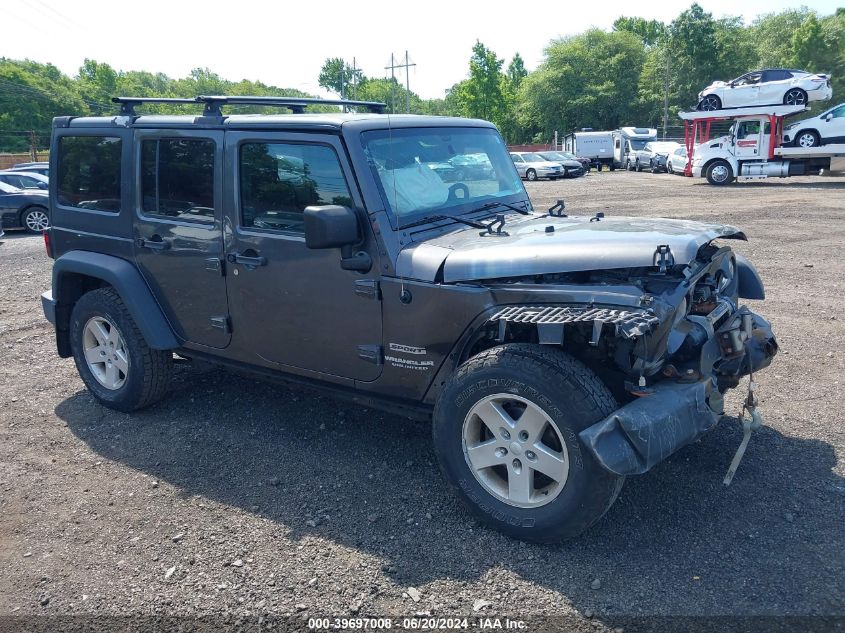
(709, 103)
(637, 167)
(807, 138)
(669, 169)
(720, 173)
(35, 220)
(531, 175)
(111, 355)
(506, 435)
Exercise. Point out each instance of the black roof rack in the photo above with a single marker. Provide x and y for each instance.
(212, 104)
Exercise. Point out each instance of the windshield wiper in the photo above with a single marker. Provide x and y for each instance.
(444, 216)
(491, 205)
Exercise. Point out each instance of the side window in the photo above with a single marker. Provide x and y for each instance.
(839, 112)
(89, 172)
(278, 180)
(177, 179)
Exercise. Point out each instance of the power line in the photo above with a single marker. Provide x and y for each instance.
(393, 66)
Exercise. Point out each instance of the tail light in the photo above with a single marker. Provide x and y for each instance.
(47, 245)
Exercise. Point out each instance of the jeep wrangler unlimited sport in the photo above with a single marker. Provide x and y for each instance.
(555, 355)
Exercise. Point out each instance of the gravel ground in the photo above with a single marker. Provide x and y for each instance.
(239, 498)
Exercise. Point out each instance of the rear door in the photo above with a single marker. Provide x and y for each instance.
(178, 230)
(293, 307)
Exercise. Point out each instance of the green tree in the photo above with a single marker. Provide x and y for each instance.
(650, 32)
(516, 71)
(810, 50)
(339, 77)
(481, 96)
(693, 36)
(588, 80)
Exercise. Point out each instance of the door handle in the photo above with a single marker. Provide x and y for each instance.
(153, 244)
(250, 261)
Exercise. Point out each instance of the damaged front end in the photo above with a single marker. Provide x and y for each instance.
(680, 340)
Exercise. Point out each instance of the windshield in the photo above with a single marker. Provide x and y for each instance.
(663, 147)
(422, 170)
(637, 145)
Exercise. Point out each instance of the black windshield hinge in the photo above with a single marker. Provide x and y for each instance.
(663, 257)
(495, 227)
(368, 289)
(557, 209)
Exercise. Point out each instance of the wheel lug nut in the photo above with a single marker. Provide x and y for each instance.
(501, 452)
(505, 433)
(517, 466)
(530, 455)
(523, 436)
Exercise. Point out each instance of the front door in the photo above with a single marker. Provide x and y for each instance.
(748, 140)
(178, 230)
(293, 307)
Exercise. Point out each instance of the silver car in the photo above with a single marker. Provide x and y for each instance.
(532, 166)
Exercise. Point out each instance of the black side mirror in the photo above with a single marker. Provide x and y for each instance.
(331, 226)
(334, 226)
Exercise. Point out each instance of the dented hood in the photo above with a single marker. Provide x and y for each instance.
(575, 244)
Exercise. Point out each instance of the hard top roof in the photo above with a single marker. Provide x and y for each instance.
(326, 121)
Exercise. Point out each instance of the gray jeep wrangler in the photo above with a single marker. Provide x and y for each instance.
(554, 355)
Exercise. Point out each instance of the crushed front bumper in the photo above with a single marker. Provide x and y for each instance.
(644, 432)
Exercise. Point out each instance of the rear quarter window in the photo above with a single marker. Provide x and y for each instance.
(89, 172)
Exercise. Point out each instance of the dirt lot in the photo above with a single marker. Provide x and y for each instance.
(235, 497)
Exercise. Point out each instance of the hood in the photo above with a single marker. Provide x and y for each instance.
(576, 244)
(542, 163)
(716, 84)
(571, 163)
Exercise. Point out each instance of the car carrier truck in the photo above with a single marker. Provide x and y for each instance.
(753, 148)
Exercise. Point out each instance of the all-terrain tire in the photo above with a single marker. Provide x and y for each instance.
(572, 397)
(149, 371)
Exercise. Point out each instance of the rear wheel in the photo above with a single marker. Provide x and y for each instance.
(669, 168)
(111, 355)
(709, 103)
(807, 138)
(720, 173)
(531, 175)
(795, 96)
(35, 219)
(506, 435)
(637, 167)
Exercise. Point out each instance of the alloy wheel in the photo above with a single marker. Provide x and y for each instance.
(795, 97)
(105, 352)
(515, 450)
(36, 221)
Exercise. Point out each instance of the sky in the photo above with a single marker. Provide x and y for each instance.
(284, 43)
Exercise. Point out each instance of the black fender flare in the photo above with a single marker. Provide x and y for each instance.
(124, 277)
(750, 285)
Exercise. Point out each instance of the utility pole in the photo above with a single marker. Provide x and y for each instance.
(33, 152)
(354, 94)
(393, 66)
(666, 93)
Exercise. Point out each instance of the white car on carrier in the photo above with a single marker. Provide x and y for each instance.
(825, 129)
(771, 86)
